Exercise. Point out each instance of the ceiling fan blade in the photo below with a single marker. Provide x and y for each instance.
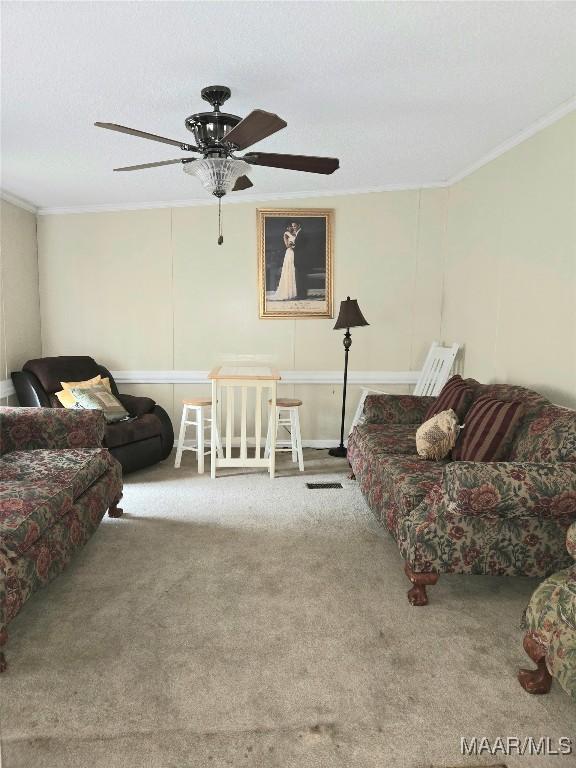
(154, 165)
(255, 127)
(294, 162)
(144, 135)
(242, 182)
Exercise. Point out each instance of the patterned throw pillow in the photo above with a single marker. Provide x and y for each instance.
(437, 436)
(489, 429)
(66, 397)
(455, 396)
(101, 399)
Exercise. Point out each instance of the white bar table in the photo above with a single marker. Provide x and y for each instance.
(244, 383)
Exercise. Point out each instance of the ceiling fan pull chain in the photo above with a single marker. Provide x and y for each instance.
(220, 238)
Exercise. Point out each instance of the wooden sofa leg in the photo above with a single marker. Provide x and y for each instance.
(537, 680)
(3, 641)
(417, 595)
(351, 475)
(114, 510)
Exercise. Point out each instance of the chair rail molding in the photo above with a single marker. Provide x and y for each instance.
(288, 377)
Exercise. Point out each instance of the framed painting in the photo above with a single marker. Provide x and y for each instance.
(295, 262)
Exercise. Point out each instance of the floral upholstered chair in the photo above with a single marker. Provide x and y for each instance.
(550, 621)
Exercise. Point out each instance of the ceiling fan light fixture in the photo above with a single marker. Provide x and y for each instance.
(218, 174)
(219, 135)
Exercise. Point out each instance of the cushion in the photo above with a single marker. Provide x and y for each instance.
(456, 395)
(549, 436)
(437, 436)
(50, 371)
(136, 406)
(398, 484)
(125, 432)
(65, 396)
(489, 429)
(38, 487)
(101, 399)
(75, 467)
(571, 540)
(378, 439)
(82, 384)
(396, 409)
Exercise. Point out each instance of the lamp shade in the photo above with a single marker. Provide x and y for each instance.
(350, 315)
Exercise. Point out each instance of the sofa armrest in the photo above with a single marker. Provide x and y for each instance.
(512, 489)
(571, 540)
(23, 429)
(137, 406)
(396, 409)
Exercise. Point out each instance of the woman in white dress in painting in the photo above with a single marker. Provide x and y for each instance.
(287, 285)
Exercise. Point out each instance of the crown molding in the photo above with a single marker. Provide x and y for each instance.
(10, 198)
(513, 141)
(552, 117)
(249, 198)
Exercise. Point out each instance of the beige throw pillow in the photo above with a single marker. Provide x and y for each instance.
(81, 384)
(66, 397)
(437, 436)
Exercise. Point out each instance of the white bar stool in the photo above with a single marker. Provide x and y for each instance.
(195, 414)
(287, 414)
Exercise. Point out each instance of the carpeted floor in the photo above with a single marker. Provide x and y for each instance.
(249, 622)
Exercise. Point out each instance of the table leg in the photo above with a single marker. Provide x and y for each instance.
(258, 421)
(200, 421)
(213, 431)
(230, 394)
(181, 436)
(273, 432)
(243, 418)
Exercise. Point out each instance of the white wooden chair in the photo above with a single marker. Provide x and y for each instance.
(434, 374)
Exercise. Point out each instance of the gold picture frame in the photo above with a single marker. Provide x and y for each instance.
(295, 268)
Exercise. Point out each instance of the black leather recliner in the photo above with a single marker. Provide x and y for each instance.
(137, 443)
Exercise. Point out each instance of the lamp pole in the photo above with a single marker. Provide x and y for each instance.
(341, 450)
(350, 316)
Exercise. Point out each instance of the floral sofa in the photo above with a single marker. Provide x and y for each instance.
(550, 623)
(56, 483)
(502, 518)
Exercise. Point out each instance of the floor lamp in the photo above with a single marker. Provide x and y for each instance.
(348, 317)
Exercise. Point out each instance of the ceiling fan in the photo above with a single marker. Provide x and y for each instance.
(218, 136)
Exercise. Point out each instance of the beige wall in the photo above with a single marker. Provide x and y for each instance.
(489, 262)
(151, 289)
(19, 292)
(510, 265)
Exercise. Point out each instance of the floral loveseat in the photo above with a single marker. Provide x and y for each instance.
(550, 621)
(56, 483)
(502, 518)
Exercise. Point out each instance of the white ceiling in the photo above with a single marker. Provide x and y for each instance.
(404, 93)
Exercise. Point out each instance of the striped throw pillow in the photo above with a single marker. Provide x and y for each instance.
(455, 396)
(489, 429)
